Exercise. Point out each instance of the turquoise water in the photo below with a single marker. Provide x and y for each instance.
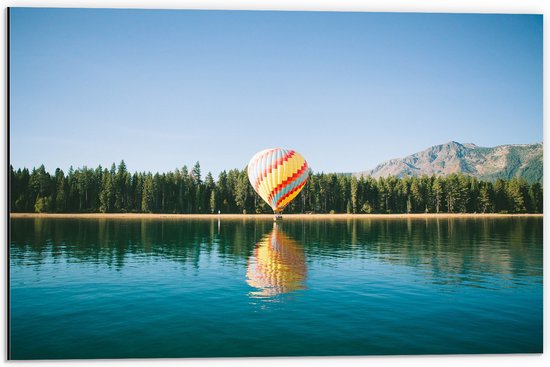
(107, 288)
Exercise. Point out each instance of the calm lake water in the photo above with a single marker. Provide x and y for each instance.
(107, 288)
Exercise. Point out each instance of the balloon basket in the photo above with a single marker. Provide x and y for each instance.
(277, 217)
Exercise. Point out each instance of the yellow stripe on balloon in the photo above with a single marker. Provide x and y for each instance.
(264, 182)
(280, 174)
(288, 199)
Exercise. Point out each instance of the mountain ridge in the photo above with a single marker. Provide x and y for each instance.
(487, 163)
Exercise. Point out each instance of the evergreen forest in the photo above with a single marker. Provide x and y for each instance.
(116, 190)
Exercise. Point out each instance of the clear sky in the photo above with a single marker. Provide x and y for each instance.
(161, 89)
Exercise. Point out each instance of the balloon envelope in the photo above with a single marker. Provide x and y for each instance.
(278, 175)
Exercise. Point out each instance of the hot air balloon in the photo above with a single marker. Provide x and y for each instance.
(278, 175)
(277, 266)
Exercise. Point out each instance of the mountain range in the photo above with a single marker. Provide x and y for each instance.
(503, 161)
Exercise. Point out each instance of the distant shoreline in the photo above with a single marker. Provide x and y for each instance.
(264, 216)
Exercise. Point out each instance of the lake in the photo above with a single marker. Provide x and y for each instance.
(147, 288)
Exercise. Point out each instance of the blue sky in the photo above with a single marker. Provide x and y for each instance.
(161, 89)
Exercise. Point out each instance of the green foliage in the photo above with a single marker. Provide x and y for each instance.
(181, 191)
(147, 200)
(241, 190)
(43, 205)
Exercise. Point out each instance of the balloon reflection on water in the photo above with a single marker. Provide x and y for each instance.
(277, 266)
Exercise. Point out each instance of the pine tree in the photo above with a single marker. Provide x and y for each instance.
(438, 193)
(213, 205)
(222, 192)
(106, 193)
(500, 200)
(119, 185)
(535, 196)
(516, 191)
(40, 186)
(354, 186)
(486, 197)
(196, 173)
(60, 197)
(147, 196)
(241, 191)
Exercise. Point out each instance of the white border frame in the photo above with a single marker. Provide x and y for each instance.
(432, 6)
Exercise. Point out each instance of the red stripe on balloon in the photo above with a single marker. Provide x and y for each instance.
(269, 169)
(297, 188)
(287, 181)
(252, 165)
(267, 152)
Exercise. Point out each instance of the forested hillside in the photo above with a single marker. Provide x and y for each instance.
(116, 190)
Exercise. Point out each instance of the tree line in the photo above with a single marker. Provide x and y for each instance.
(184, 190)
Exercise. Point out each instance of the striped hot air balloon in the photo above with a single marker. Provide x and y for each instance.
(278, 175)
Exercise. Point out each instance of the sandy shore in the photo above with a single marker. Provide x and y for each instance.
(261, 216)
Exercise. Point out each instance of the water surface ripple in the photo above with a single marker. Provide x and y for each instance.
(108, 288)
